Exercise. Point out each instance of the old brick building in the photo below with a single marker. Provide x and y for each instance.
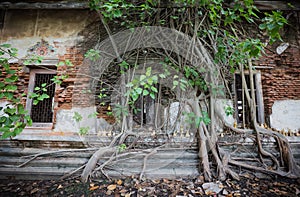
(60, 31)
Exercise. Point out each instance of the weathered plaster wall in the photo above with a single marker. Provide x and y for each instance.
(28, 26)
(286, 115)
(66, 122)
(60, 30)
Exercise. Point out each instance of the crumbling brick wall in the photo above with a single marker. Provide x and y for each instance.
(21, 83)
(281, 73)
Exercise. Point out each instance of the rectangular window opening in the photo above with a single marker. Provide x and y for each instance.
(41, 113)
(242, 109)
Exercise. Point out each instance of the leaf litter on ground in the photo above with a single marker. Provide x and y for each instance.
(249, 185)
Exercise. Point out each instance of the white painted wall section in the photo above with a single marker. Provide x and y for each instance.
(286, 115)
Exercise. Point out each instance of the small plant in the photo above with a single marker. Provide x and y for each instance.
(145, 85)
(39, 94)
(84, 130)
(93, 115)
(122, 147)
(92, 54)
(119, 111)
(193, 119)
(229, 110)
(77, 117)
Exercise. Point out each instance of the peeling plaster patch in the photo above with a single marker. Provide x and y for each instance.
(42, 48)
(286, 115)
(25, 43)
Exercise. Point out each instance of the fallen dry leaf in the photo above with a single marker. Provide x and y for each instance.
(119, 182)
(94, 188)
(59, 187)
(129, 194)
(297, 191)
(34, 190)
(112, 187)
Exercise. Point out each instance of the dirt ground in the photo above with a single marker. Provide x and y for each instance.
(249, 185)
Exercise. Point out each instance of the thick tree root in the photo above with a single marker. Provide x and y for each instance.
(91, 165)
(286, 156)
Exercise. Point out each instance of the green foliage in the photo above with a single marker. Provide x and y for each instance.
(123, 11)
(59, 79)
(229, 110)
(77, 117)
(191, 118)
(33, 60)
(92, 54)
(83, 130)
(119, 111)
(124, 66)
(93, 115)
(13, 120)
(143, 86)
(122, 147)
(194, 78)
(39, 94)
(13, 116)
(272, 24)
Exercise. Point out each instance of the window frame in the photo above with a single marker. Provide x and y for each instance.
(31, 83)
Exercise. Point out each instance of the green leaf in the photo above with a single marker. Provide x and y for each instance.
(150, 81)
(142, 77)
(8, 95)
(10, 111)
(175, 84)
(129, 85)
(148, 71)
(134, 96)
(11, 87)
(152, 95)
(197, 121)
(11, 79)
(155, 78)
(6, 134)
(21, 109)
(3, 119)
(10, 72)
(145, 92)
(77, 117)
(154, 89)
(162, 76)
(139, 90)
(5, 45)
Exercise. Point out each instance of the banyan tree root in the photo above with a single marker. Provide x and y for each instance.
(285, 153)
(286, 156)
(110, 150)
(103, 151)
(91, 164)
